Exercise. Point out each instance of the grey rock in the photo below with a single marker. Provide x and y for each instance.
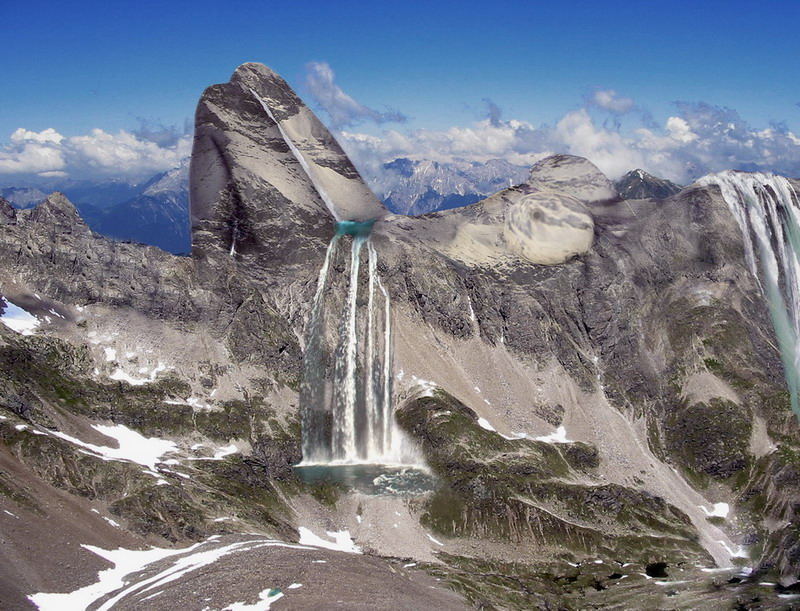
(573, 176)
(638, 184)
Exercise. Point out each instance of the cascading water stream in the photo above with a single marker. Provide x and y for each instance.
(349, 419)
(312, 393)
(767, 209)
(344, 415)
(331, 429)
(370, 395)
(388, 377)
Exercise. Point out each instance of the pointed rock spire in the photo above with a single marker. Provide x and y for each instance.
(58, 211)
(266, 173)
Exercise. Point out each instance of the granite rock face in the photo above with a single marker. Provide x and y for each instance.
(571, 367)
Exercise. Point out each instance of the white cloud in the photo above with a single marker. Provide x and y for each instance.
(32, 153)
(123, 150)
(123, 154)
(342, 109)
(609, 100)
(698, 139)
(48, 135)
(678, 129)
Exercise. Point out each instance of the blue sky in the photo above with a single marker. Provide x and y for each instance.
(75, 67)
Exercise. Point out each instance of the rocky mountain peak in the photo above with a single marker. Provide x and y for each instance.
(57, 210)
(638, 184)
(574, 176)
(7, 213)
(262, 161)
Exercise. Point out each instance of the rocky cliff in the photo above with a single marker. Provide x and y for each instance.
(595, 384)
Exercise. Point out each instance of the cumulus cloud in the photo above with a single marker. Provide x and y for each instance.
(342, 109)
(48, 135)
(697, 139)
(99, 153)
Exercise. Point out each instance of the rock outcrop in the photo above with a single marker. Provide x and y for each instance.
(252, 197)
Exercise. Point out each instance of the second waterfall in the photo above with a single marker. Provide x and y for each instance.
(347, 393)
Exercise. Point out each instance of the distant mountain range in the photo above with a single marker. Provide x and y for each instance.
(416, 187)
(156, 211)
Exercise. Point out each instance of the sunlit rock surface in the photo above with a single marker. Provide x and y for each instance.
(575, 176)
(246, 184)
(548, 228)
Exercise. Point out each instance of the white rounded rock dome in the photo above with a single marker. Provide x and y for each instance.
(548, 228)
(574, 176)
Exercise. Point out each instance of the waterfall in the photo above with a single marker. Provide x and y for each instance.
(373, 408)
(313, 390)
(347, 413)
(767, 210)
(346, 385)
(354, 422)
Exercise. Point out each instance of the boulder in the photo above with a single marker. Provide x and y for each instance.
(548, 228)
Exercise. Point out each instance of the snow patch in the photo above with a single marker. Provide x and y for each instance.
(485, 424)
(558, 436)
(423, 388)
(265, 598)
(341, 540)
(718, 510)
(19, 320)
(220, 453)
(127, 561)
(122, 376)
(133, 446)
